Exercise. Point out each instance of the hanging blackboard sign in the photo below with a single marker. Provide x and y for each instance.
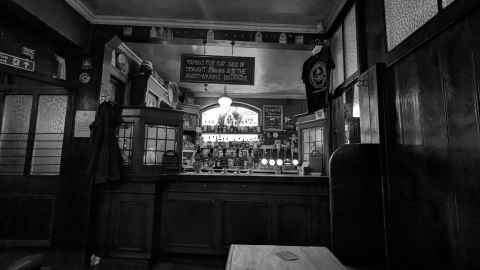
(217, 69)
(272, 117)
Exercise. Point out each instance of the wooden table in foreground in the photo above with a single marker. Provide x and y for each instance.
(257, 257)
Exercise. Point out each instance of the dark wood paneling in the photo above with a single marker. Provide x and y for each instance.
(124, 225)
(188, 224)
(369, 84)
(205, 214)
(27, 220)
(294, 223)
(337, 123)
(246, 222)
(132, 218)
(434, 162)
(356, 206)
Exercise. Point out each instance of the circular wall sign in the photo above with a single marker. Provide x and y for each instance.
(84, 77)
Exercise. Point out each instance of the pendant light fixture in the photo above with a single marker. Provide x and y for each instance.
(205, 85)
(224, 101)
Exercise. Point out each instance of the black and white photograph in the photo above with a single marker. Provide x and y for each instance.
(240, 135)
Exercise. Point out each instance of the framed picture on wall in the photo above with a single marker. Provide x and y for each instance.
(272, 117)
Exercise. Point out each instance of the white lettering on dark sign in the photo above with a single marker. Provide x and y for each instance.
(16, 62)
(217, 69)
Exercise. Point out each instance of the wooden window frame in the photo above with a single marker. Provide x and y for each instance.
(446, 17)
(36, 92)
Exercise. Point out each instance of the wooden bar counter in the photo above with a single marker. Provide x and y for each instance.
(204, 213)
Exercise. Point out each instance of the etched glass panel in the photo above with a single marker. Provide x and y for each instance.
(158, 139)
(337, 53)
(403, 17)
(14, 133)
(49, 131)
(350, 37)
(125, 141)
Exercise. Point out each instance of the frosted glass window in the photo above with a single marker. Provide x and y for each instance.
(445, 3)
(49, 132)
(403, 17)
(14, 133)
(350, 43)
(158, 140)
(125, 141)
(337, 52)
(312, 141)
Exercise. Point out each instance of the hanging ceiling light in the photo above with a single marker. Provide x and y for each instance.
(224, 101)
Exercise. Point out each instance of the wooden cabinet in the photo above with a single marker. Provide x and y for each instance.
(188, 224)
(202, 217)
(125, 224)
(205, 214)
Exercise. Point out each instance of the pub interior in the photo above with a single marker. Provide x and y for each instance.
(309, 134)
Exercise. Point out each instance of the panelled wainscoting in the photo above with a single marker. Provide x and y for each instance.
(148, 218)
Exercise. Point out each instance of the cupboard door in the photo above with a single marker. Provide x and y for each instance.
(131, 225)
(246, 222)
(188, 225)
(294, 223)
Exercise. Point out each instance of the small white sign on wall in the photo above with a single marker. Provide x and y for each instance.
(83, 119)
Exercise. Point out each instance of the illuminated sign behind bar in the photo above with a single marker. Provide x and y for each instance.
(16, 62)
(217, 69)
(234, 116)
(219, 137)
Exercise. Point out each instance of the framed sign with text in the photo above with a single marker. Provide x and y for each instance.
(272, 117)
(17, 62)
(217, 69)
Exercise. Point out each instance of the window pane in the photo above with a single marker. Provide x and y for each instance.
(350, 36)
(159, 157)
(403, 17)
(14, 133)
(151, 132)
(306, 148)
(171, 134)
(319, 134)
(305, 135)
(170, 145)
(312, 134)
(125, 140)
(149, 158)
(161, 145)
(47, 147)
(337, 53)
(162, 132)
(156, 145)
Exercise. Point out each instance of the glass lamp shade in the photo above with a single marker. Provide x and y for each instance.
(279, 162)
(264, 161)
(224, 102)
(271, 162)
(295, 162)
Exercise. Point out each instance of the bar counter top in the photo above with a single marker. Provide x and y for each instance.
(230, 177)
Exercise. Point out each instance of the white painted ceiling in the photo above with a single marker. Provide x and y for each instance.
(291, 14)
(277, 71)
